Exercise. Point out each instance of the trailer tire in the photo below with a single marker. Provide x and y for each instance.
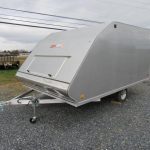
(122, 95)
(33, 120)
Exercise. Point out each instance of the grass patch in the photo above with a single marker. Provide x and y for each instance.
(9, 85)
(7, 76)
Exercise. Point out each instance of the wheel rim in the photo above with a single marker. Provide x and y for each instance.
(123, 95)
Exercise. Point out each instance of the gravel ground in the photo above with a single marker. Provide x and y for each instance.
(95, 126)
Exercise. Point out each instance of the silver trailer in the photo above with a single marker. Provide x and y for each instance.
(84, 65)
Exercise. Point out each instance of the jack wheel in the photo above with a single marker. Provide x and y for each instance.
(33, 120)
(122, 95)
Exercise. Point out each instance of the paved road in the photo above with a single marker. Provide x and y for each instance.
(96, 126)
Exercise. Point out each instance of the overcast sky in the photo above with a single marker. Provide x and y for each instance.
(135, 12)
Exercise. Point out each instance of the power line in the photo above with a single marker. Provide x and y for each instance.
(34, 26)
(35, 22)
(51, 15)
(42, 19)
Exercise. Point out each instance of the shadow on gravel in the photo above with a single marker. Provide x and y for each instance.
(64, 115)
(69, 116)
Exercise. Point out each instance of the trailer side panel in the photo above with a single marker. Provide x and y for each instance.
(117, 58)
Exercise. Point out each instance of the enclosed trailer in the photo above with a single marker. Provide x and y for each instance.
(83, 65)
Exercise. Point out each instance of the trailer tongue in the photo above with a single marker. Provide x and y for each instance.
(84, 65)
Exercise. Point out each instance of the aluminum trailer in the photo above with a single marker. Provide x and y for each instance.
(84, 65)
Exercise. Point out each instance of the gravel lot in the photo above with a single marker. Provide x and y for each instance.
(95, 126)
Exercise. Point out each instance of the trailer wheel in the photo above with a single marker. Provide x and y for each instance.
(33, 120)
(122, 95)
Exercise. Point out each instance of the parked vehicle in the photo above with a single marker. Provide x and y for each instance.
(9, 61)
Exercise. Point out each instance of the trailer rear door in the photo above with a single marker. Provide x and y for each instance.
(46, 66)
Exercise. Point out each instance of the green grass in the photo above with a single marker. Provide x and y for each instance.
(9, 85)
(7, 76)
